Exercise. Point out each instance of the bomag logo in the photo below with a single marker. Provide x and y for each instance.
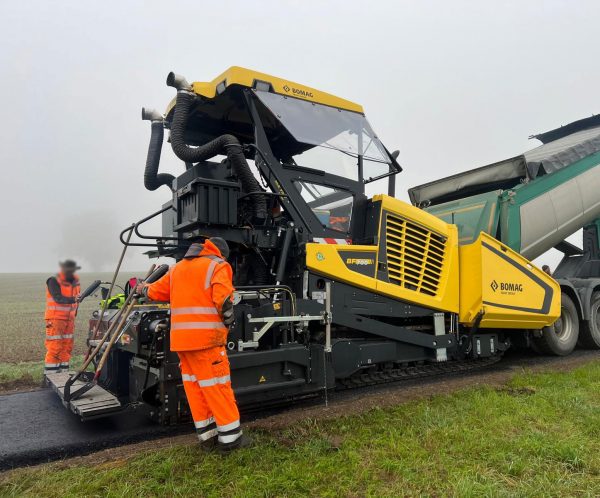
(298, 91)
(506, 287)
(360, 261)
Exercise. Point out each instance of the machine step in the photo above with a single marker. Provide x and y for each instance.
(97, 402)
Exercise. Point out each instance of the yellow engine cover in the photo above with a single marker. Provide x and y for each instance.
(415, 260)
(511, 291)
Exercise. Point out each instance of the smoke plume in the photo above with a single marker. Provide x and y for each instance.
(92, 239)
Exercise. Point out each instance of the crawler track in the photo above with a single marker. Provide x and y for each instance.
(414, 372)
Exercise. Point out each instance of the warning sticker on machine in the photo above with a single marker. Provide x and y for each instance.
(318, 296)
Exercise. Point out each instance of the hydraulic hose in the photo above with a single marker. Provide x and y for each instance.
(152, 178)
(225, 144)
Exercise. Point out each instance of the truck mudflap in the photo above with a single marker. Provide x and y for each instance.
(95, 402)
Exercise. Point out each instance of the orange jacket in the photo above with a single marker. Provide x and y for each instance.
(197, 286)
(62, 311)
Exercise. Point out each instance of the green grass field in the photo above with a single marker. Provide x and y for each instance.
(22, 303)
(538, 436)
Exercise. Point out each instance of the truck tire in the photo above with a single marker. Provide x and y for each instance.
(560, 339)
(590, 330)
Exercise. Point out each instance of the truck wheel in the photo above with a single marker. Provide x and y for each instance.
(590, 331)
(561, 338)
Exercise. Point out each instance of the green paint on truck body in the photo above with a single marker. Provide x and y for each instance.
(472, 215)
(498, 213)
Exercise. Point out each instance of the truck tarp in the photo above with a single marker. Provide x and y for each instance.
(545, 159)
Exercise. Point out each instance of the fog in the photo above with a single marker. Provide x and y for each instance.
(453, 85)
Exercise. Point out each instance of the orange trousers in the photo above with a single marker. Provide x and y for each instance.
(59, 345)
(207, 383)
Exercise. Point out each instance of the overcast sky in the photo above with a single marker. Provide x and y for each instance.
(452, 84)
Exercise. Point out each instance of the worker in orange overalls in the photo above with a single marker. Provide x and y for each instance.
(62, 294)
(200, 290)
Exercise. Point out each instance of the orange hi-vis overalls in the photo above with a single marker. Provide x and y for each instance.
(60, 324)
(197, 287)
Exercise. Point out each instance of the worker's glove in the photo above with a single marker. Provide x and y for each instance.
(139, 289)
(227, 312)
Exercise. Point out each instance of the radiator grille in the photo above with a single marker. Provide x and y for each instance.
(415, 255)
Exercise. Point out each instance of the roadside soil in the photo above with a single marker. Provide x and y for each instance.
(24, 384)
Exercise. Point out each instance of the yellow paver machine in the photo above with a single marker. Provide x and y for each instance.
(333, 289)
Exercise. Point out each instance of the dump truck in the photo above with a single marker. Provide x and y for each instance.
(532, 202)
(334, 289)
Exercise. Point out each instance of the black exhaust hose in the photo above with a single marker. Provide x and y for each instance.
(152, 178)
(225, 144)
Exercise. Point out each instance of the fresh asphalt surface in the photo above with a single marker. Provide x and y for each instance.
(35, 427)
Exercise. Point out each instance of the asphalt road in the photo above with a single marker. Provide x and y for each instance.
(35, 427)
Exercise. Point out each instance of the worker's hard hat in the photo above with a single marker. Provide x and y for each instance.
(69, 264)
(221, 246)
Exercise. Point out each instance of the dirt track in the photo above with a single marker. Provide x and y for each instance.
(91, 440)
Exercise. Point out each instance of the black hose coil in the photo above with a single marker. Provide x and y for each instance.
(153, 179)
(225, 144)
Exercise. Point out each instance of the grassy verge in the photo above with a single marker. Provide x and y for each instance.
(538, 436)
(25, 373)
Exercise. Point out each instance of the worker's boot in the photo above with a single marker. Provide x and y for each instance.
(208, 446)
(242, 442)
(208, 437)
